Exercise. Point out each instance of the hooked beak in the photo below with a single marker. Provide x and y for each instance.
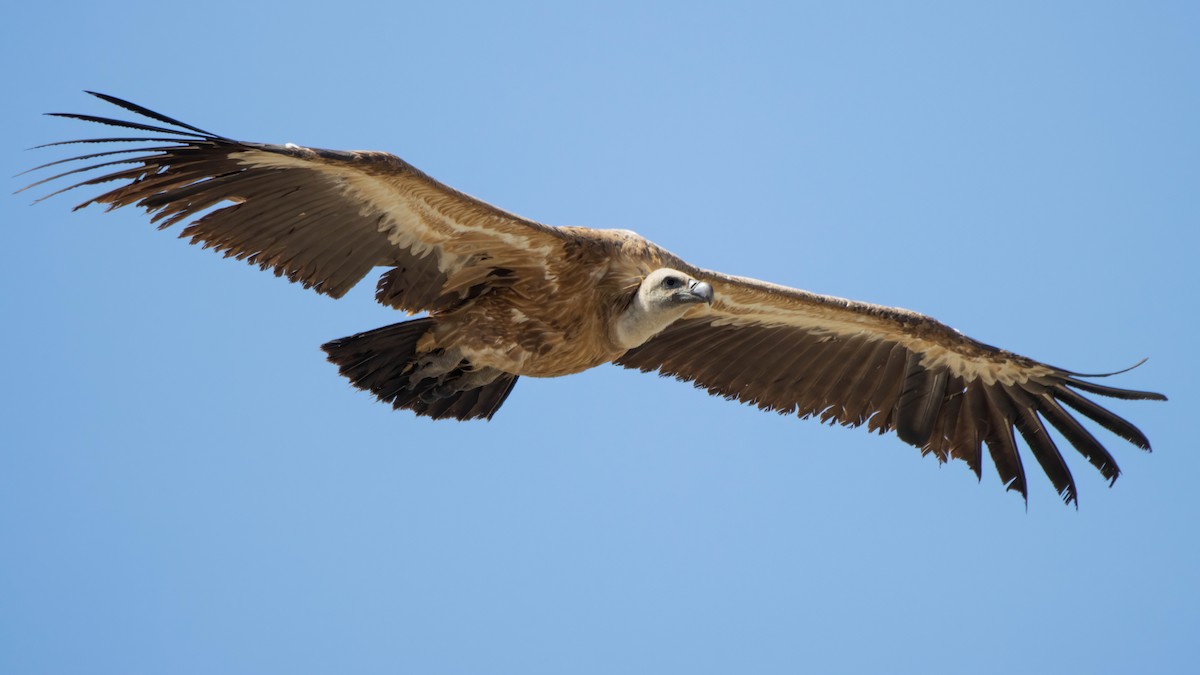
(699, 291)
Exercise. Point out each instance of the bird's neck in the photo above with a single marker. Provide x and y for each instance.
(641, 321)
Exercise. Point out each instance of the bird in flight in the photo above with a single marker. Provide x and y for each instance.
(505, 297)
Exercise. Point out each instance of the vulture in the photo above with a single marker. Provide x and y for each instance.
(503, 297)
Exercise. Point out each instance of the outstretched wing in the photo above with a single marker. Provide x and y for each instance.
(853, 363)
(323, 218)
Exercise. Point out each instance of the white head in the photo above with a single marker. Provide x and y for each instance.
(663, 296)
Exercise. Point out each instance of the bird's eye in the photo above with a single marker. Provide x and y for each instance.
(671, 282)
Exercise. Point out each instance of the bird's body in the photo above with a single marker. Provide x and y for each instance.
(514, 329)
(507, 297)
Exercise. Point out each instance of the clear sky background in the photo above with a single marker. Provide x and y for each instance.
(186, 486)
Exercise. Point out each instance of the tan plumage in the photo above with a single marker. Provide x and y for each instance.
(506, 297)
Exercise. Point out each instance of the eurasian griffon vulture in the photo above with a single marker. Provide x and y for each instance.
(507, 297)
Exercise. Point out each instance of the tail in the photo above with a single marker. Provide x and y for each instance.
(385, 362)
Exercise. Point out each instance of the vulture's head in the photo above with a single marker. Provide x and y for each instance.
(667, 290)
(662, 297)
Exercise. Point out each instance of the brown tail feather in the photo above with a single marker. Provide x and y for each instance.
(382, 361)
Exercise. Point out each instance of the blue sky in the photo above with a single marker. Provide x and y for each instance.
(186, 486)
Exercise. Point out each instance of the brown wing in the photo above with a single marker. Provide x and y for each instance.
(852, 363)
(323, 218)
